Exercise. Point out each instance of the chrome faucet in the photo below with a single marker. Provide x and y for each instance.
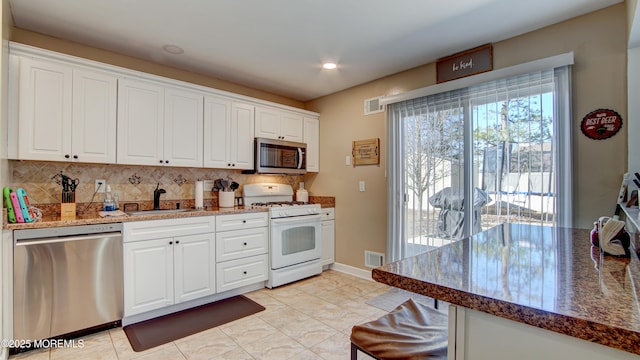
(156, 197)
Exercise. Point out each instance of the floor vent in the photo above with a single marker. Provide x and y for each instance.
(373, 259)
(373, 106)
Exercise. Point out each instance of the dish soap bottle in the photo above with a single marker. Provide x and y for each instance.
(108, 204)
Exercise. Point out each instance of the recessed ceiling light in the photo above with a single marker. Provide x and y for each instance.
(173, 49)
(329, 66)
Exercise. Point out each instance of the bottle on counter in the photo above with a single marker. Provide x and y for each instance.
(116, 201)
(108, 204)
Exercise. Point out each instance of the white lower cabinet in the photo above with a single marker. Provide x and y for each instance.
(167, 262)
(241, 250)
(328, 236)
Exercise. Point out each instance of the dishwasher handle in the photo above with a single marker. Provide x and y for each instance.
(68, 238)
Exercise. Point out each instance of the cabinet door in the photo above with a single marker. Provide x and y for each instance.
(140, 123)
(328, 242)
(44, 125)
(312, 139)
(148, 275)
(183, 124)
(242, 135)
(217, 132)
(93, 129)
(291, 127)
(194, 266)
(267, 123)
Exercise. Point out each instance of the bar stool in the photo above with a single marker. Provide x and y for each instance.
(410, 331)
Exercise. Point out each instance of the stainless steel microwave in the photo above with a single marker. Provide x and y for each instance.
(280, 157)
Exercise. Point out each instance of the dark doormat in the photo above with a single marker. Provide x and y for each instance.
(151, 333)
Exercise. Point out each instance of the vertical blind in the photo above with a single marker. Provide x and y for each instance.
(502, 146)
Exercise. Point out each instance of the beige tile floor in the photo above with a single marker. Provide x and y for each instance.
(310, 319)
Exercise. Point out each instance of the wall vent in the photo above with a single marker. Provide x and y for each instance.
(373, 106)
(373, 259)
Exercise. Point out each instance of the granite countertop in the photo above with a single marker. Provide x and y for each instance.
(547, 277)
(52, 218)
(54, 221)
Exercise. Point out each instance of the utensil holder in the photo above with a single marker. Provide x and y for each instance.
(226, 198)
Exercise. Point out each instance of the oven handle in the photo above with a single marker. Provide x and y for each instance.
(297, 219)
(299, 158)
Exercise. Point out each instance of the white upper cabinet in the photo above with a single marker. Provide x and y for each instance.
(278, 124)
(183, 124)
(312, 139)
(65, 108)
(158, 125)
(228, 132)
(93, 132)
(140, 123)
(62, 114)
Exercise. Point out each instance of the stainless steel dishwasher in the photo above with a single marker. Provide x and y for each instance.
(66, 279)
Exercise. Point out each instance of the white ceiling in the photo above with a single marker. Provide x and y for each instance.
(279, 45)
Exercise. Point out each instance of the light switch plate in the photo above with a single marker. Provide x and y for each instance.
(347, 160)
(361, 185)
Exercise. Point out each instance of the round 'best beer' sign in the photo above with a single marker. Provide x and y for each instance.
(601, 124)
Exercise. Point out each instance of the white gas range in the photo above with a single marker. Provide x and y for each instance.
(295, 232)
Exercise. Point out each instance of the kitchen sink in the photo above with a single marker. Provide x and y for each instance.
(161, 211)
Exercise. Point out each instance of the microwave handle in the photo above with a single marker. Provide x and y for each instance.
(299, 158)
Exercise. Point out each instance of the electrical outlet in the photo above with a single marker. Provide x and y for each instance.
(100, 185)
(361, 185)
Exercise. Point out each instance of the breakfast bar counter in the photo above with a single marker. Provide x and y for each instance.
(515, 287)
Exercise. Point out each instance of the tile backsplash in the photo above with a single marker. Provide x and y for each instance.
(41, 180)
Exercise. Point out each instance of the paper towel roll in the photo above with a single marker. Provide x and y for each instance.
(199, 194)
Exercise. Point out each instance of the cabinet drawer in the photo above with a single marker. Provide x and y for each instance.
(238, 244)
(241, 221)
(327, 214)
(237, 273)
(166, 228)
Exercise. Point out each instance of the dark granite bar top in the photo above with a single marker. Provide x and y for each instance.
(543, 276)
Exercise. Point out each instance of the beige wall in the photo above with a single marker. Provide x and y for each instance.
(87, 52)
(598, 41)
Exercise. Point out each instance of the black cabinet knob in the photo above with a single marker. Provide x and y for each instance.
(67, 156)
(170, 242)
(244, 221)
(244, 272)
(161, 161)
(228, 164)
(75, 156)
(245, 244)
(233, 164)
(177, 241)
(166, 161)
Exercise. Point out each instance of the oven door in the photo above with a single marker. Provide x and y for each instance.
(295, 240)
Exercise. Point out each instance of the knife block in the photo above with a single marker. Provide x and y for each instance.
(68, 211)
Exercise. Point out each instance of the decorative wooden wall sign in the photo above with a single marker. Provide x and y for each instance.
(366, 152)
(601, 124)
(466, 63)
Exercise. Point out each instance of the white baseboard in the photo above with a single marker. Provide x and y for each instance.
(351, 270)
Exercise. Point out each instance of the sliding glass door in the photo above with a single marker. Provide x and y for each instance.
(470, 159)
